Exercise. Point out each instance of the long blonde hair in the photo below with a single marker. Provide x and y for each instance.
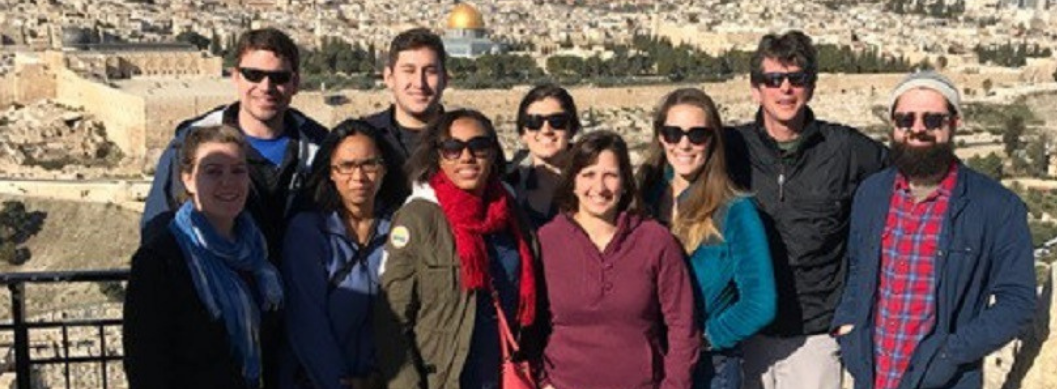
(710, 189)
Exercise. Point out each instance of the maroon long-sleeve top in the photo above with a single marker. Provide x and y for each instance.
(609, 310)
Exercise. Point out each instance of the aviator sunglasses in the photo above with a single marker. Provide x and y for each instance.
(775, 79)
(557, 121)
(696, 135)
(480, 147)
(256, 75)
(932, 120)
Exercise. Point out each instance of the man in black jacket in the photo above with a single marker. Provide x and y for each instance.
(282, 143)
(803, 172)
(282, 139)
(416, 72)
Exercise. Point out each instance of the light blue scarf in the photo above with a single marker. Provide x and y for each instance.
(215, 263)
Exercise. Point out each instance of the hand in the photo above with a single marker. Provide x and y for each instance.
(548, 386)
(844, 330)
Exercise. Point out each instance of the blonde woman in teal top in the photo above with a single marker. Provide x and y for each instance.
(686, 182)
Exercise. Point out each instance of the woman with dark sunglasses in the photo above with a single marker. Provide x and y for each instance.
(685, 181)
(331, 255)
(458, 246)
(547, 121)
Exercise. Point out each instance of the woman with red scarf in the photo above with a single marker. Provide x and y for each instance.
(457, 243)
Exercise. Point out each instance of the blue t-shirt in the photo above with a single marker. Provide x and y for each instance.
(271, 149)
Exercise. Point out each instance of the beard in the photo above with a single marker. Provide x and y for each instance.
(926, 164)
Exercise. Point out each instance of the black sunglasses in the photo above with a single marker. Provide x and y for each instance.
(557, 121)
(932, 120)
(480, 147)
(775, 79)
(696, 135)
(256, 75)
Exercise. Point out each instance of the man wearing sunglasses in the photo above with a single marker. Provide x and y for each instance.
(282, 139)
(942, 271)
(416, 74)
(804, 172)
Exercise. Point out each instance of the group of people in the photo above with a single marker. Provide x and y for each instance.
(400, 250)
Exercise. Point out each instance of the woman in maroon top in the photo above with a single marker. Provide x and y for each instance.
(621, 302)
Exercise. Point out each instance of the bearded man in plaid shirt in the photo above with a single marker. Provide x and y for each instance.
(941, 271)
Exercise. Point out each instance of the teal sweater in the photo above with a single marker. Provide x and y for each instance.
(735, 278)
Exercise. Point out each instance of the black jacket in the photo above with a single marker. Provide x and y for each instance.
(170, 341)
(272, 189)
(805, 199)
(390, 130)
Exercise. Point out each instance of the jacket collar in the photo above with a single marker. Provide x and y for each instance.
(292, 120)
(333, 224)
(810, 135)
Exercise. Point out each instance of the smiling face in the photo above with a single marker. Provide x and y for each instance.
(417, 80)
(470, 170)
(916, 103)
(219, 181)
(918, 152)
(546, 142)
(357, 170)
(685, 157)
(264, 101)
(599, 188)
(782, 104)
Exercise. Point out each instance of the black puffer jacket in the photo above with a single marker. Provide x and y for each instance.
(805, 200)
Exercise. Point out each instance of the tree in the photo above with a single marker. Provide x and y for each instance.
(1014, 128)
(1039, 160)
(991, 165)
(194, 38)
(16, 226)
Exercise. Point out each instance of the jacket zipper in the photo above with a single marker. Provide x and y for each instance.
(781, 183)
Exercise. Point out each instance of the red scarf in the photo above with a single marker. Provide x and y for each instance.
(471, 217)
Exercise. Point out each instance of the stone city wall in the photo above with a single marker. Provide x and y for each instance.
(165, 113)
(125, 114)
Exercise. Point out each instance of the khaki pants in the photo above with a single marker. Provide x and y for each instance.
(802, 362)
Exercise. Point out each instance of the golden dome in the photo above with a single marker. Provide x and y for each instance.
(465, 17)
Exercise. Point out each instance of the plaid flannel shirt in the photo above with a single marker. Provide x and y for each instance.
(906, 308)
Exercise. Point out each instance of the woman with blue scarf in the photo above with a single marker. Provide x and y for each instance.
(198, 291)
(330, 261)
(685, 181)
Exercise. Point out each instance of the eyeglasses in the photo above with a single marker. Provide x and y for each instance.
(697, 135)
(480, 147)
(256, 75)
(932, 120)
(366, 166)
(557, 121)
(775, 79)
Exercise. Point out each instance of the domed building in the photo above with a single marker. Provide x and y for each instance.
(465, 35)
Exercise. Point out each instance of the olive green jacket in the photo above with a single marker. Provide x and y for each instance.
(423, 319)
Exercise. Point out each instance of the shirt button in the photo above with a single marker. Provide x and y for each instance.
(607, 286)
(608, 266)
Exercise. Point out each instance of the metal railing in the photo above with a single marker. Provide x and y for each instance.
(16, 284)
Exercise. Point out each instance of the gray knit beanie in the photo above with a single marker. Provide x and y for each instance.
(929, 80)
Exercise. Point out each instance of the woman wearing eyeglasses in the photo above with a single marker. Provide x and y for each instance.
(458, 239)
(685, 181)
(330, 261)
(546, 121)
